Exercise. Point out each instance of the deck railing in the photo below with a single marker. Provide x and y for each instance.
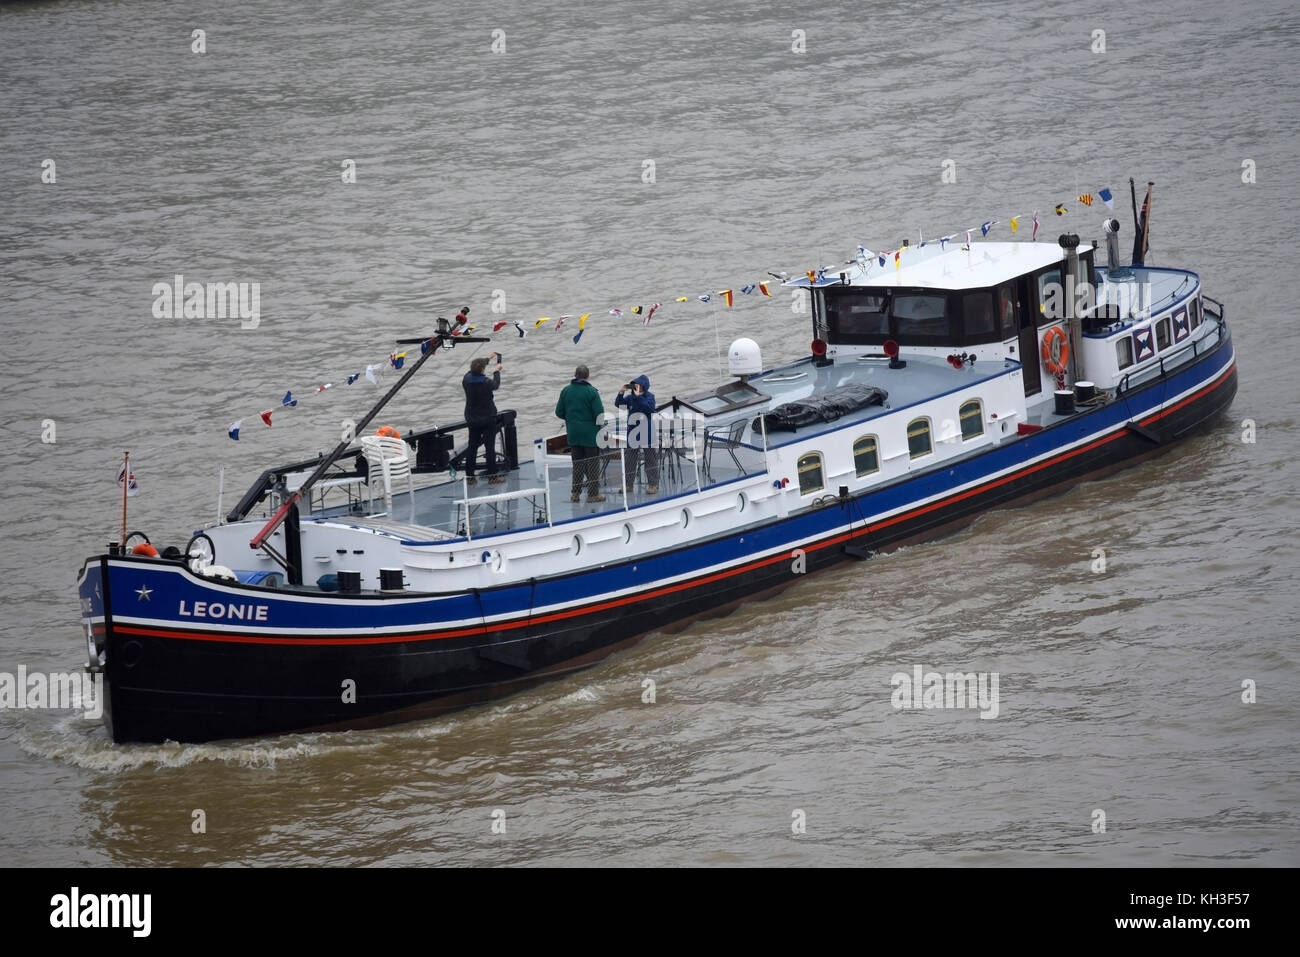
(436, 450)
(1178, 357)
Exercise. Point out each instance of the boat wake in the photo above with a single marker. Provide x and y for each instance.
(80, 743)
(585, 694)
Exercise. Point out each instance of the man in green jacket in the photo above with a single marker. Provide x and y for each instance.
(580, 408)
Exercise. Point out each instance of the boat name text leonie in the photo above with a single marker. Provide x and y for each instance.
(216, 609)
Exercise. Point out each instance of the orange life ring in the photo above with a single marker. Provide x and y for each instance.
(1056, 350)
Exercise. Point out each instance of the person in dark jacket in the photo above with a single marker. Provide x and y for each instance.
(640, 403)
(580, 408)
(481, 416)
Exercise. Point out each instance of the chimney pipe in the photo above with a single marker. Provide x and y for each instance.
(1111, 226)
(1070, 245)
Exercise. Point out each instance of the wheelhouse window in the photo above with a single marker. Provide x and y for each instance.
(1085, 268)
(811, 478)
(1195, 311)
(866, 455)
(1124, 352)
(857, 316)
(1162, 334)
(1051, 296)
(919, 318)
(972, 419)
(1008, 311)
(978, 323)
(918, 438)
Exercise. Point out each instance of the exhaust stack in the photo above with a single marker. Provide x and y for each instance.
(1111, 228)
(1070, 245)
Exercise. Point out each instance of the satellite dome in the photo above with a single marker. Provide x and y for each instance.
(744, 358)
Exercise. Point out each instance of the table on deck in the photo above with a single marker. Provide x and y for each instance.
(498, 504)
(317, 493)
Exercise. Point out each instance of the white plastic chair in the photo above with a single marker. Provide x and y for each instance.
(389, 459)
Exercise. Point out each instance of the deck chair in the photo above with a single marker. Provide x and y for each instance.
(389, 460)
(728, 443)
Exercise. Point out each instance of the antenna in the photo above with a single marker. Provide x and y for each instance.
(717, 343)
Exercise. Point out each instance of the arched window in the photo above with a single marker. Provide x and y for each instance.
(866, 455)
(811, 478)
(972, 419)
(918, 437)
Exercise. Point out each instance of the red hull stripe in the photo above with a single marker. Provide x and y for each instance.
(678, 586)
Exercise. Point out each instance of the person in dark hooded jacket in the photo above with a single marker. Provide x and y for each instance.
(481, 417)
(639, 401)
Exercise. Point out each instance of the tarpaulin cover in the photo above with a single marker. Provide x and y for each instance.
(824, 408)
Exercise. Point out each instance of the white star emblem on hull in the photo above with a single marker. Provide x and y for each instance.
(143, 592)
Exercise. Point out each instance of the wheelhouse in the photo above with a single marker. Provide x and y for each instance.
(932, 304)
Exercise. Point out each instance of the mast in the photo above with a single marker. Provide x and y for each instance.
(126, 484)
(1143, 226)
(260, 539)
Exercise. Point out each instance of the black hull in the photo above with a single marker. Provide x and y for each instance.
(236, 690)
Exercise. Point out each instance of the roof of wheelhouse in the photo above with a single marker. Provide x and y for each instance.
(934, 267)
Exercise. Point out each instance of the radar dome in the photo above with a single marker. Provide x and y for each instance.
(744, 358)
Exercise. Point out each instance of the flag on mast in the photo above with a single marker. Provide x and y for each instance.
(1143, 233)
(132, 487)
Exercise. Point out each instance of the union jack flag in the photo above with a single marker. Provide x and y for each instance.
(132, 487)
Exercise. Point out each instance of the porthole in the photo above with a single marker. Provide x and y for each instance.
(575, 546)
(685, 519)
(498, 560)
(628, 533)
(741, 502)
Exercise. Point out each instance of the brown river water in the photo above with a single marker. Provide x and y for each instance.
(523, 171)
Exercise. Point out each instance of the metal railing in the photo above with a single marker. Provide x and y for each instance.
(1166, 361)
(435, 451)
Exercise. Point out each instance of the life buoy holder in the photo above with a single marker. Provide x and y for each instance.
(1056, 350)
(200, 553)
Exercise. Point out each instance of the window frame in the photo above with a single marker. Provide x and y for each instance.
(1037, 286)
(1124, 351)
(1008, 293)
(929, 437)
(1164, 341)
(821, 472)
(979, 417)
(875, 450)
(968, 336)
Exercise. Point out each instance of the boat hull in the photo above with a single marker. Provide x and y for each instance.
(191, 678)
